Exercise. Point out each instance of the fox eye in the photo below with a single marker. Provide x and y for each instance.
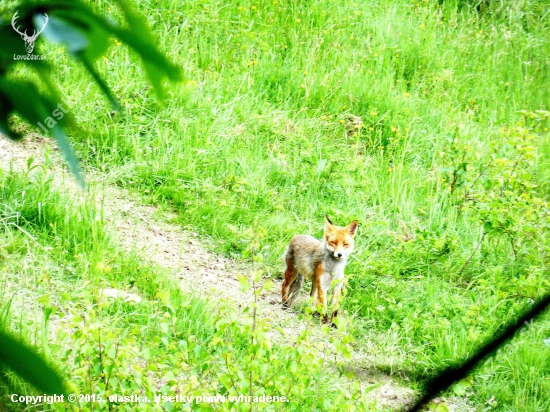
(346, 244)
(331, 242)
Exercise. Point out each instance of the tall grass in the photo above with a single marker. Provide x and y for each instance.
(57, 254)
(293, 110)
(365, 110)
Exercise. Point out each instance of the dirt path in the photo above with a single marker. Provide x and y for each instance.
(185, 255)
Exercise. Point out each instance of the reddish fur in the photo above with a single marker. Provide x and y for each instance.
(319, 271)
(290, 275)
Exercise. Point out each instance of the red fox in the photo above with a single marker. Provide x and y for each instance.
(321, 262)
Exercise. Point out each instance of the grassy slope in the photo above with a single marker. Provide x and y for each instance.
(57, 252)
(262, 134)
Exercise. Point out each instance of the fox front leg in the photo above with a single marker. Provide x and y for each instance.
(335, 299)
(324, 285)
(290, 276)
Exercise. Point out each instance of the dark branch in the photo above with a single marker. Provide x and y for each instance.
(453, 374)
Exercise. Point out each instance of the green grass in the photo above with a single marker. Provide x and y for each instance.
(56, 254)
(261, 136)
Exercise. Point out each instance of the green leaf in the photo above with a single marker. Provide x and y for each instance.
(16, 94)
(29, 365)
(372, 387)
(163, 295)
(439, 243)
(140, 38)
(73, 24)
(11, 44)
(88, 64)
(245, 284)
(438, 407)
(68, 152)
(462, 385)
(339, 322)
(269, 285)
(59, 31)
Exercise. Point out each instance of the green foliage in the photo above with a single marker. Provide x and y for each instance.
(382, 111)
(27, 364)
(169, 343)
(86, 35)
(425, 120)
(524, 365)
(31, 205)
(256, 366)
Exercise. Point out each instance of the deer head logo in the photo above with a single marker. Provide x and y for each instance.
(29, 40)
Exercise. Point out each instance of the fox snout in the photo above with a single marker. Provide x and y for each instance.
(338, 254)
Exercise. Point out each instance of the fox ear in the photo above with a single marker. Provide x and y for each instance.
(352, 227)
(328, 223)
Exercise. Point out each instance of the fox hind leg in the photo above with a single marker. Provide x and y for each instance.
(295, 289)
(290, 277)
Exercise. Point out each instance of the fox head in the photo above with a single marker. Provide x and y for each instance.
(339, 240)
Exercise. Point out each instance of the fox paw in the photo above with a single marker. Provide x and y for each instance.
(331, 323)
